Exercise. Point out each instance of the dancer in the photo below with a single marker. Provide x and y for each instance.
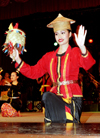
(6, 78)
(13, 106)
(64, 101)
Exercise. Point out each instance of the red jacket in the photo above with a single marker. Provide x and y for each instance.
(60, 68)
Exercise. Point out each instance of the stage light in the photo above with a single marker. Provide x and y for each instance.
(90, 40)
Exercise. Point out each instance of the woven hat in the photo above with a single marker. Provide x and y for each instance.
(61, 23)
(15, 38)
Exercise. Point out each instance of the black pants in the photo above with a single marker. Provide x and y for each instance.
(55, 108)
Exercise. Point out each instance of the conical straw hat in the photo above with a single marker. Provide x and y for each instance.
(60, 23)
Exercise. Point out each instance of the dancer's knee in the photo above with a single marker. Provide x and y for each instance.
(45, 96)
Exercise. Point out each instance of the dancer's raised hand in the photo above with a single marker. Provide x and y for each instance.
(80, 39)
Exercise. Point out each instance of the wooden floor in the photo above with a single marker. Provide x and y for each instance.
(38, 117)
(31, 125)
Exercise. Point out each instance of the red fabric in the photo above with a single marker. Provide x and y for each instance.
(69, 70)
(67, 109)
(8, 111)
(27, 7)
(21, 0)
(4, 3)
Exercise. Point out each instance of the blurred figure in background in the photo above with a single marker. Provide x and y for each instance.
(6, 78)
(46, 83)
(1, 82)
(4, 88)
(13, 106)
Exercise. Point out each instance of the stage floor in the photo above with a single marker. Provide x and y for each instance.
(38, 117)
(31, 124)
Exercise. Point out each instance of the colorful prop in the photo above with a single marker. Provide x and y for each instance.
(15, 39)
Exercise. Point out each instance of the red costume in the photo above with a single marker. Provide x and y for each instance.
(60, 68)
(70, 63)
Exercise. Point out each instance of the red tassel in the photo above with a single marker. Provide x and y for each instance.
(21, 33)
(16, 26)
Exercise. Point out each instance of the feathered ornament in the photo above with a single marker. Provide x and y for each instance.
(15, 39)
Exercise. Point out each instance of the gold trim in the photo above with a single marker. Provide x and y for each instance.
(60, 94)
(67, 100)
(77, 95)
(69, 116)
(52, 89)
(20, 66)
(64, 75)
(58, 71)
(42, 86)
(74, 108)
(51, 69)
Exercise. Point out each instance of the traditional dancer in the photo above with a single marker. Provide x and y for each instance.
(14, 104)
(64, 101)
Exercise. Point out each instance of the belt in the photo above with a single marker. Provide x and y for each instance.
(13, 97)
(65, 82)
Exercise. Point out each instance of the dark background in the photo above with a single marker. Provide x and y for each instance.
(34, 15)
(40, 39)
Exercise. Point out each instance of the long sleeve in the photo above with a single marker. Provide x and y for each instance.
(37, 70)
(86, 62)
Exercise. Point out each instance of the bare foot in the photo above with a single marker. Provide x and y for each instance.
(19, 114)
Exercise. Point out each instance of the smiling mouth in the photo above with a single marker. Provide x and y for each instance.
(60, 40)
